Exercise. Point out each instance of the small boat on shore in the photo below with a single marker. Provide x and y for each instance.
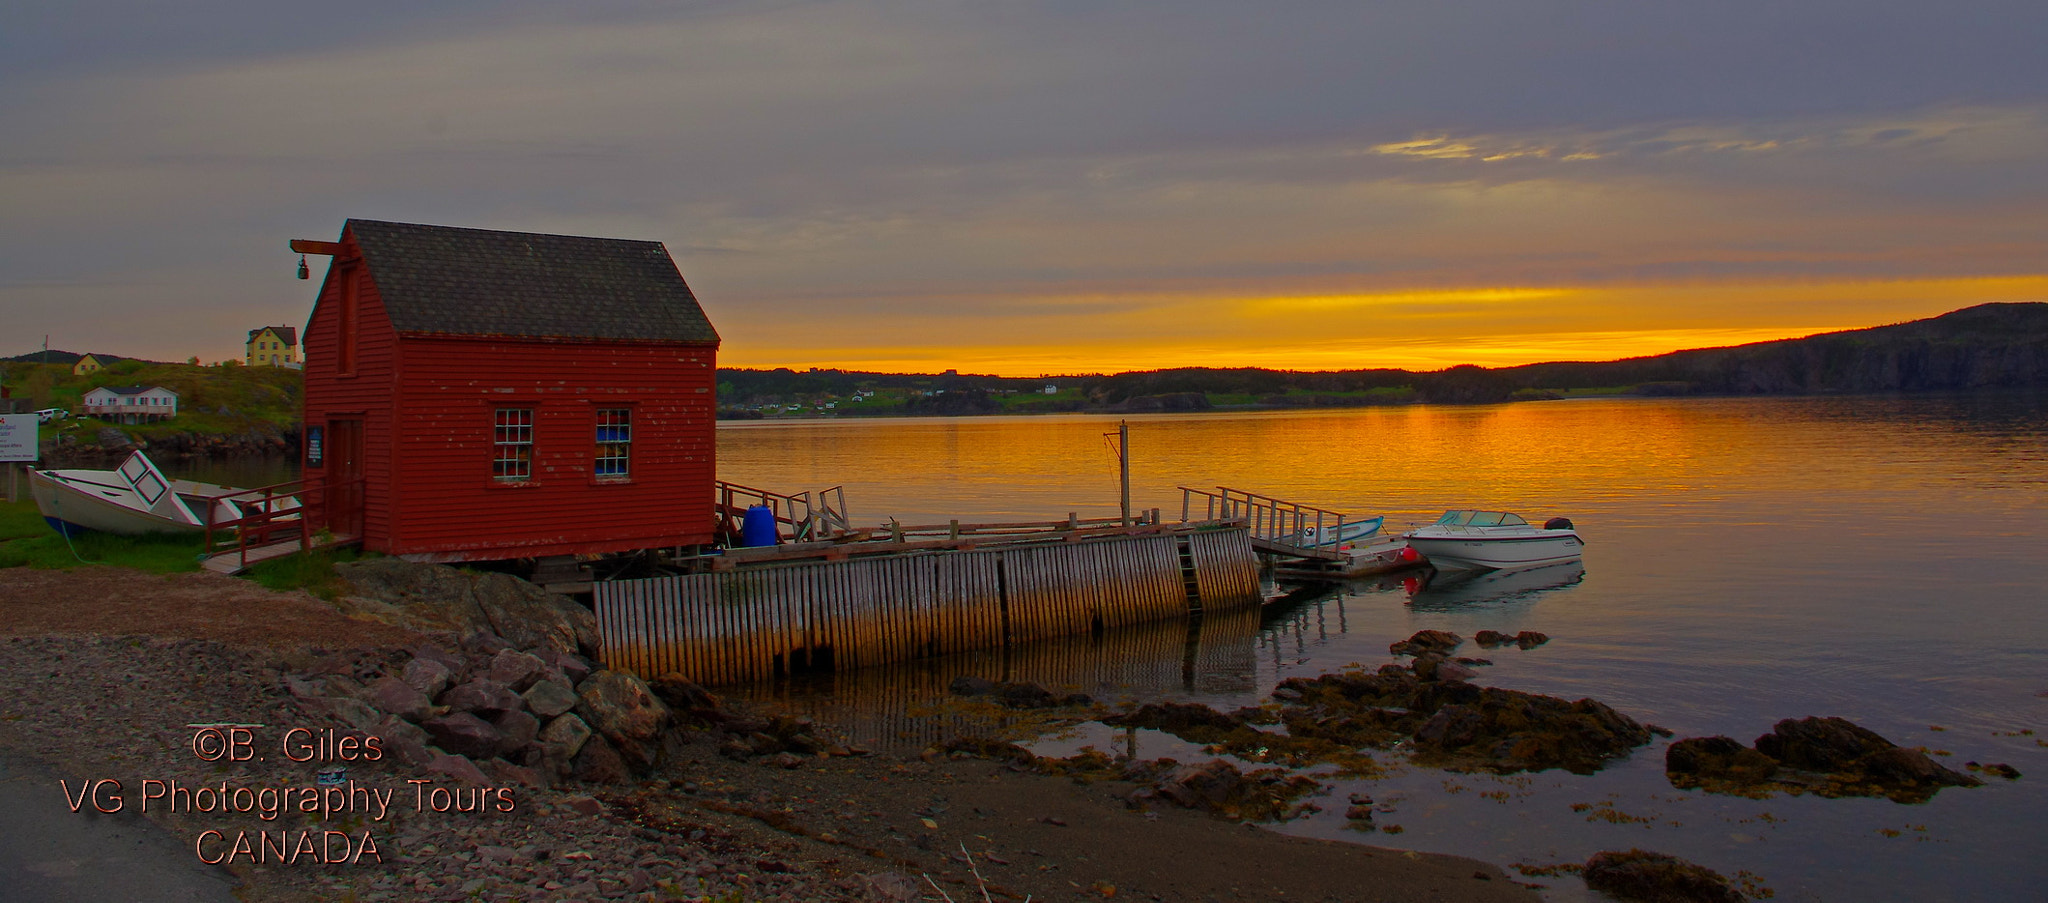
(1482, 540)
(133, 499)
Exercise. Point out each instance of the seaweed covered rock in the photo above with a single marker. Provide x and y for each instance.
(1391, 685)
(1427, 641)
(1656, 878)
(1219, 787)
(1015, 694)
(1509, 730)
(1854, 755)
(1189, 721)
(1828, 756)
(1698, 761)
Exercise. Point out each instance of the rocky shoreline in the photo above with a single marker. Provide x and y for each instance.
(513, 766)
(673, 794)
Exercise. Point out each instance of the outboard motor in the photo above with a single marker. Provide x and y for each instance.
(1558, 523)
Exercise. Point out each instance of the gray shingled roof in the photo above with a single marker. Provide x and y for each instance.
(454, 281)
(286, 334)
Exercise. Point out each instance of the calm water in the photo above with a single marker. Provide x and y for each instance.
(1878, 559)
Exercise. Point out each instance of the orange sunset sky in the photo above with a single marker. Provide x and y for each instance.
(1028, 189)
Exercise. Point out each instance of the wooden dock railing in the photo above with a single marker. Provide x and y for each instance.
(809, 516)
(1276, 525)
(273, 524)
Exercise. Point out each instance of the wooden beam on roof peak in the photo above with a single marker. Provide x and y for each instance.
(306, 246)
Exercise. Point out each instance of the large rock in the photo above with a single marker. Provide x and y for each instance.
(424, 597)
(433, 597)
(529, 617)
(1855, 754)
(621, 708)
(484, 696)
(1656, 878)
(1697, 760)
(1426, 641)
(564, 737)
(686, 697)
(461, 769)
(517, 670)
(549, 698)
(427, 675)
(400, 698)
(1828, 756)
(599, 763)
(1218, 786)
(465, 734)
(519, 729)
(1189, 721)
(1492, 728)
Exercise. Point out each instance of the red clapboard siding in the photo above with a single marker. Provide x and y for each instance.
(365, 393)
(427, 402)
(448, 392)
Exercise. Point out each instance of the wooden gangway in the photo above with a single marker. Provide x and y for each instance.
(1277, 526)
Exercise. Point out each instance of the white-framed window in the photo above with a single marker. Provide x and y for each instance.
(512, 445)
(614, 443)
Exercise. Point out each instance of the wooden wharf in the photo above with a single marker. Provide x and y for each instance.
(896, 594)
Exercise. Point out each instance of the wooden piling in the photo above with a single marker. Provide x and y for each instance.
(747, 623)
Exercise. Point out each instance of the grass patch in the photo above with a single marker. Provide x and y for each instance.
(310, 571)
(26, 541)
(20, 520)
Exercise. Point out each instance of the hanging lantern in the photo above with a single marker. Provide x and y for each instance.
(303, 272)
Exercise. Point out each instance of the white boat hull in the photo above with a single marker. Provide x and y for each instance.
(1481, 552)
(132, 500)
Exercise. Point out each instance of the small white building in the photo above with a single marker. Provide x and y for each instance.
(131, 404)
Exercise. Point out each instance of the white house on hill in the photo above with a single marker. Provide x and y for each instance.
(131, 404)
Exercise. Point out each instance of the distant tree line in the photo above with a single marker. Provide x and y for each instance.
(1987, 346)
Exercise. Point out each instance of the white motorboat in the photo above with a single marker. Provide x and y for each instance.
(1480, 540)
(133, 499)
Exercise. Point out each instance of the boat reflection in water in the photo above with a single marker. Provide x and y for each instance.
(1434, 590)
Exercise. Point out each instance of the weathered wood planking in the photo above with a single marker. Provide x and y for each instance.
(753, 623)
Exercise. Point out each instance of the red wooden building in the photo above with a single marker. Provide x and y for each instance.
(478, 395)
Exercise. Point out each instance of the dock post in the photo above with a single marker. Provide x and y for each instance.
(1123, 458)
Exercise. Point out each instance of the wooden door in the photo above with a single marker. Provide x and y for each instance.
(345, 478)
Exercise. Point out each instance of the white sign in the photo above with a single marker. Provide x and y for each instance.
(17, 437)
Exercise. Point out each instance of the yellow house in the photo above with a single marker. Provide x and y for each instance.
(87, 364)
(273, 346)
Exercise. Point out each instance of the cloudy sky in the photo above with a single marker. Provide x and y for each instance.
(1053, 186)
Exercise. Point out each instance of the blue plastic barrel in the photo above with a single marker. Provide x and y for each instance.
(758, 529)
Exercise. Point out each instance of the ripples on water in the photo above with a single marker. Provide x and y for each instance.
(1876, 558)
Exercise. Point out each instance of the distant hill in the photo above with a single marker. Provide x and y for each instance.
(67, 358)
(1987, 346)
